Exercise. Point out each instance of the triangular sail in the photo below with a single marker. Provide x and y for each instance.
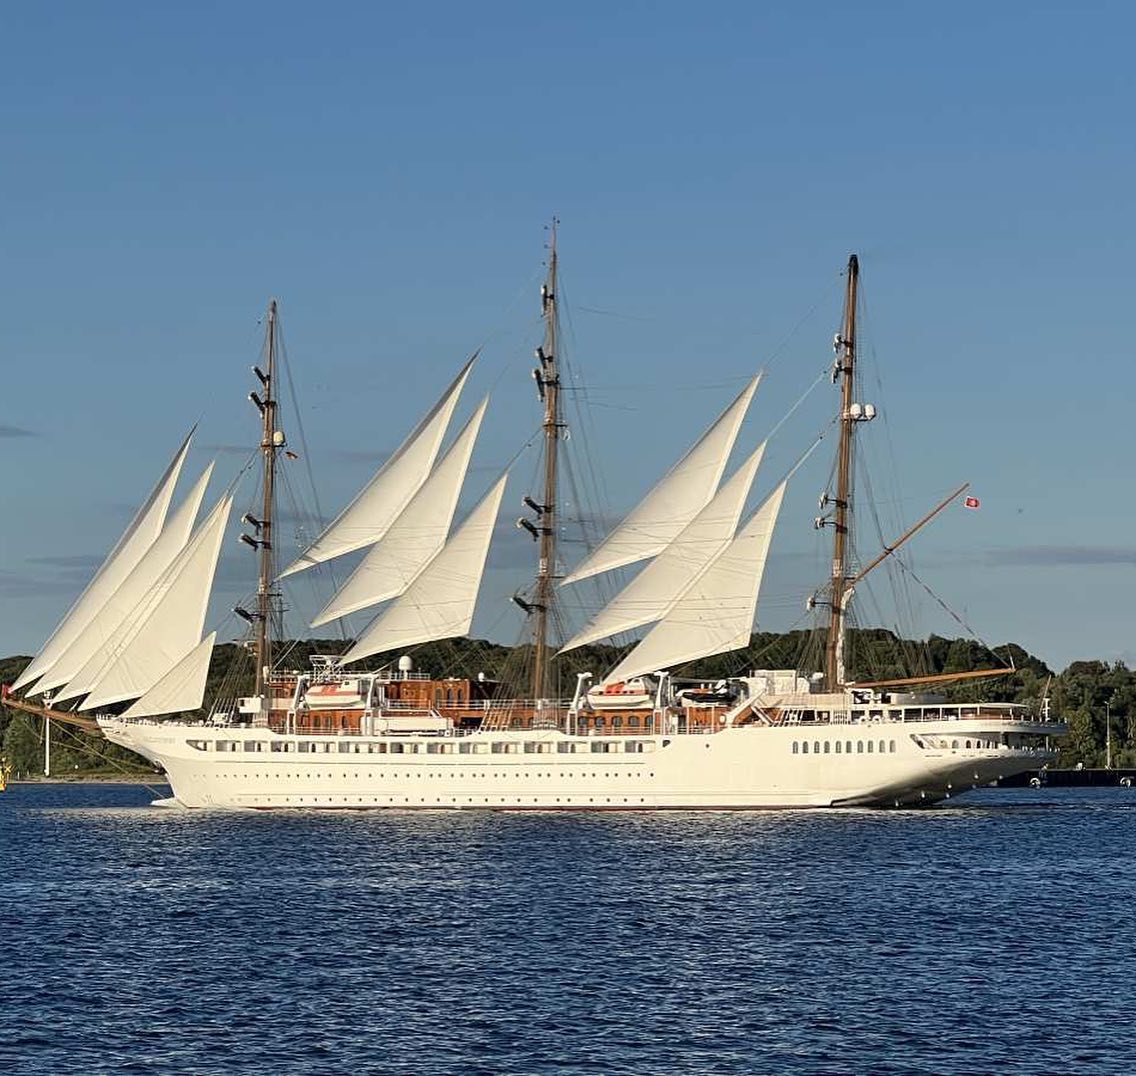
(182, 688)
(716, 612)
(675, 500)
(439, 603)
(367, 518)
(661, 583)
(128, 551)
(414, 538)
(134, 588)
(163, 628)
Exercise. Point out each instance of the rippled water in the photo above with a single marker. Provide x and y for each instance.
(996, 933)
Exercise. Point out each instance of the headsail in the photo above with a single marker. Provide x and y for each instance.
(128, 551)
(439, 603)
(367, 518)
(661, 583)
(715, 613)
(182, 688)
(674, 501)
(414, 538)
(162, 629)
(133, 589)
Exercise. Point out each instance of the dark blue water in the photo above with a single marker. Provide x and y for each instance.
(998, 933)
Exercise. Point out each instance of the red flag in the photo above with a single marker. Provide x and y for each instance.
(971, 502)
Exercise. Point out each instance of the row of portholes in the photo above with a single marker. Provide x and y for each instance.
(838, 747)
(238, 775)
(501, 801)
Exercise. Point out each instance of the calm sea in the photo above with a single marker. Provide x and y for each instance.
(998, 933)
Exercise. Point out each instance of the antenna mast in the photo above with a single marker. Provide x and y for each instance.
(263, 526)
(547, 377)
(850, 414)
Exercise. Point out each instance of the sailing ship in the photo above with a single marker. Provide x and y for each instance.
(636, 736)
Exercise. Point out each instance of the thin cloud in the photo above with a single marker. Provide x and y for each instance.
(16, 431)
(1048, 556)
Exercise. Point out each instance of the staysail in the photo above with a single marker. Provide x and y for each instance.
(162, 629)
(128, 551)
(675, 500)
(715, 613)
(439, 603)
(367, 518)
(661, 583)
(414, 537)
(133, 589)
(182, 688)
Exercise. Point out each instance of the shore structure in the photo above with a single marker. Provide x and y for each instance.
(132, 650)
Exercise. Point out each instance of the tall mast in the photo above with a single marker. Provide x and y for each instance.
(268, 448)
(840, 590)
(547, 377)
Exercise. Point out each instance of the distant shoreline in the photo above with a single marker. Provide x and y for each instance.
(107, 779)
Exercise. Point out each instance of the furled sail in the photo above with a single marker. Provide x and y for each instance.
(133, 589)
(675, 500)
(414, 537)
(162, 629)
(661, 583)
(182, 688)
(128, 551)
(715, 613)
(439, 603)
(367, 518)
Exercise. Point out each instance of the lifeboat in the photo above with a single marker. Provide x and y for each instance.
(635, 694)
(345, 695)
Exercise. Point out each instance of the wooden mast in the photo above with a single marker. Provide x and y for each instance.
(268, 448)
(548, 382)
(845, 368)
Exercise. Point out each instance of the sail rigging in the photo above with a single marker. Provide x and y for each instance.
(161, 629)
(414, 537)
(180, 689)
(133, 590)
(675, 500)
(654, 591)
(715, 613)
(144, 528)
(370, 515)
(439, 603)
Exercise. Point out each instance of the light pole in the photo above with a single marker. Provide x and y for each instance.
(1108, 735)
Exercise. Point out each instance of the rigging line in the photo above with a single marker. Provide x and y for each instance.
(614, 314)
(92, 750)
(951, 613)
(822, 376)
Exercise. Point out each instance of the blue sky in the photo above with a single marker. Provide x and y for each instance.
(388, 172)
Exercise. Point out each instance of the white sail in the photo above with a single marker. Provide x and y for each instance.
(661, 583)
(162, 629)
(133, 589)
(439, 603)
(675, 500)
(182, 688)
(367, 518)
(414, 538)
(715, 614)
(128, 551)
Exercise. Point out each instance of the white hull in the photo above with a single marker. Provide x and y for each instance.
(737, 768)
